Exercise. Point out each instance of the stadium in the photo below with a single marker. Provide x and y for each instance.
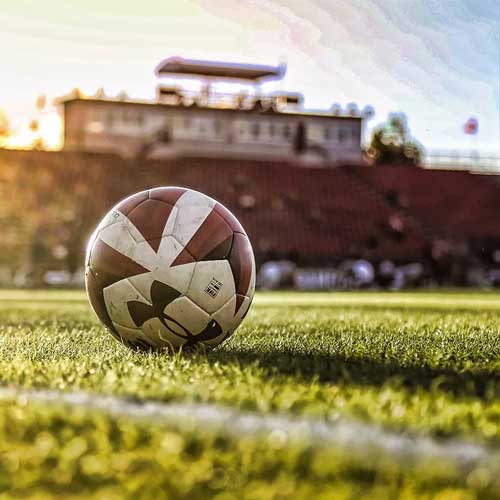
(367, 363)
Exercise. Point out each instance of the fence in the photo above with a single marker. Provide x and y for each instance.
(463, 160)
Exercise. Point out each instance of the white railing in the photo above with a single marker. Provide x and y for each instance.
(462, 160)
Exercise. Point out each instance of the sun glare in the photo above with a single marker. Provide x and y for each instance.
(48, 135)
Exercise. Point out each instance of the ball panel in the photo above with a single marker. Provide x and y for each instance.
(194, 198)
(135, 337)
(154, 329)
(96, 297)
(188, 221)
(168, 250)
(186, 313)
(128, 204)
(226, 316)
(111, 217)
(121, 300)
(242, 265)
(251, 287)
(230, 219)
(217, 340)
(177, 278)
(150, 219)
(169, 226)
(212, 285)
(169, 195)
(183, 258)
(123, 239)
(109, 266)
(246, 302)
(212, 241)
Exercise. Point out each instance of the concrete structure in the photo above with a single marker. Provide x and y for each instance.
(206, 123)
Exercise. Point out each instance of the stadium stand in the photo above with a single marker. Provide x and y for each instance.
(455, 205)
(311, 216)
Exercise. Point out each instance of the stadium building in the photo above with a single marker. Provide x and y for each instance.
(351, 226)
(243, 123)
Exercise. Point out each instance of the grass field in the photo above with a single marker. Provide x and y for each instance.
(425, 365)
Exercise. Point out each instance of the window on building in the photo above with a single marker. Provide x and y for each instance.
(109, 119)
(286, 131)
(256, 129)
(129, 117)
(140, 120)
(326, 133)
(217, 127)
(342, 134)
(354, 135)
(272, 129)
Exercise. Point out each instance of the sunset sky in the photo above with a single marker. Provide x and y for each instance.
(436, 60)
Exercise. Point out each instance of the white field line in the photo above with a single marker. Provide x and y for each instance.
(278, 428)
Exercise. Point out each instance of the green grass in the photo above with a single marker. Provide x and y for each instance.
(419, 362)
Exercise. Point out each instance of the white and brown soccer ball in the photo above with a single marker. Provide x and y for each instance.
(170, 268)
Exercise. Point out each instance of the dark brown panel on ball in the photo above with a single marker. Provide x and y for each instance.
(183, 258)
(96, 297)
(150, 218)
(110, 266)
(212, 241)
(232, 221)
(221, 251)
(240, 259)
(107, 266)
(239, 302)
(128, 204)
(167, 194)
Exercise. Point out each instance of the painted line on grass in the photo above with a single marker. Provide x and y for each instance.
(279, 429)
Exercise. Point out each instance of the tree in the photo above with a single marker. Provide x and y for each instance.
(392, 143)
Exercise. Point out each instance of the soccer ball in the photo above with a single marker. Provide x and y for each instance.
(170, 268)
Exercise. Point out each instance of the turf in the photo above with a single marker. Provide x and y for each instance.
(412, 362)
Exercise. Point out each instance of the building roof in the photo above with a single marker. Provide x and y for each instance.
(109, 100)
(218, 70)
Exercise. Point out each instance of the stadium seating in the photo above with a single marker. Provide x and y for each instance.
(455, 205)
(311, 215)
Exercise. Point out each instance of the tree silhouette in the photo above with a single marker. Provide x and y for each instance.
(392, 143)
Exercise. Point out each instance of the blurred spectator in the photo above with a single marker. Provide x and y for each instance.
(276, 274)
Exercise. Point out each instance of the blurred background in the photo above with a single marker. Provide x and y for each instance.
(357, 142)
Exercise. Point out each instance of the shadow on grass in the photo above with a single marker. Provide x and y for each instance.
(369, 372)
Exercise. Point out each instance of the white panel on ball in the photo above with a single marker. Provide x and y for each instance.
(167, 252)
(226, 316)
(169, 226)
(132, 335)
(212, 285)
(188, 314)
(178, 277)
(188, 221)
(118, 237)
(192, 198)
(154, 330)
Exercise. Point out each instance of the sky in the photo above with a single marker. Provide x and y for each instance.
(438, 61)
